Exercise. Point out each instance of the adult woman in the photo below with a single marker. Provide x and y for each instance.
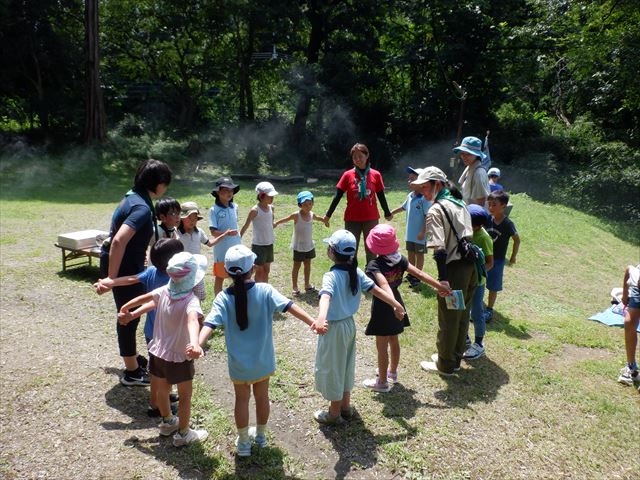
(132, 226)
(453, 325)
(362, 184)
(474, 181)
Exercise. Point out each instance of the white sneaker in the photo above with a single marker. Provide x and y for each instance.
(260, 440)
(628, 376)
(432, 367)
(474, 352)
(376, 386)
(434, 359)
(191, 436)
(167, 428)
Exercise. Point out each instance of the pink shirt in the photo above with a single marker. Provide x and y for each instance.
(361, 210)
(170, 332)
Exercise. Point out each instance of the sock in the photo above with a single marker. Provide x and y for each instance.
(479, 340)
(261, 429)
(632, 365)
(243, 434)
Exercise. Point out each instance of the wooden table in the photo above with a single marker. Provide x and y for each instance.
(82, 256)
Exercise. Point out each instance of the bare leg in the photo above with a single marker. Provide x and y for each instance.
(382, 343)
(294, 275)
(217, 285)
(394, 353)
(631, 319)
(491, 299)
(263, 407)
(307, 273)
(162, 397)
(419, 261)
(131, 363)
(185, 390)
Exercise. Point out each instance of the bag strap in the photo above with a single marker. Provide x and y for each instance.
(450, 222)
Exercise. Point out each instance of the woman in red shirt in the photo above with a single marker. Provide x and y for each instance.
(362, 184)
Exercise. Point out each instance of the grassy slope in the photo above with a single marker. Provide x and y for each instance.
(543, 403)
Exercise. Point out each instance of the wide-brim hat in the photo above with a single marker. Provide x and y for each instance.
(343, 242)
(225, 182)
(472, 145)
(187, 208)
(239, 259)
(185, 271)
(382, 239)
(428, 174)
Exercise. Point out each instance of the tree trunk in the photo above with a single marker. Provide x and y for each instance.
(94, 129)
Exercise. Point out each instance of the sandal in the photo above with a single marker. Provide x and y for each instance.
(311, 289)
(323, 417)
(296, 293)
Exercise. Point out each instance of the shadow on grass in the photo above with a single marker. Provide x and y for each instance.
(132, 401)
(501, 323)
(263, 464)
(86, 273)
(479, 382)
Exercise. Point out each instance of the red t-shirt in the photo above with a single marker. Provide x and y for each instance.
(361, 210)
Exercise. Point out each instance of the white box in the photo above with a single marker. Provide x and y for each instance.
(80, 240)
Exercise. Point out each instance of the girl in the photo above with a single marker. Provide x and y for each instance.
(245, 311)
(176, 326)
(223, 217)
(387, 271)
(340, 294)
(261, 215)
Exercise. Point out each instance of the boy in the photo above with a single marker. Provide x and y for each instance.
(501, 229)
(494, 178)
(168, 212)
(302, 239)
(479, 219)
(416, 207)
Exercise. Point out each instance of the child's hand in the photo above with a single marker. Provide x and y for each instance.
(124, 317)
(325, 220)
(232, 232)
(100, 286)
(320, 327)
(194, 351)
(399, 312)
(444, 290)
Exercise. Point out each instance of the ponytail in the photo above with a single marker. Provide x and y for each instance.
(240, 295)
(352, 267)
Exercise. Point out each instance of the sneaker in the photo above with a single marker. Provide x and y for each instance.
(474, 352)
(628, 376)
(192, 436)
(434, 359)
(137, 378)
(243, 448)
(323, 417)
(488, 315)
(374, 385)
(167, 428)
(391, 376)
(348, 413)
(260, 440)
(432, 367)
(143, 363)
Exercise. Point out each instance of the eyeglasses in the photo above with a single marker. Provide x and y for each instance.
(174, 214)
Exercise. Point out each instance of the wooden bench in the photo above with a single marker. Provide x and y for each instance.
(82, 256)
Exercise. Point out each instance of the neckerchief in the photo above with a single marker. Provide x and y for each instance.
(362, 185)
(445, 194)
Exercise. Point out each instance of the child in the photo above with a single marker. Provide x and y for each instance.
(153, 277)
(386, 271)
(416, 207)
(479, 219)
(302, 239)
(494, 178)
(261, 216)
(340, 295)
(223, 221)
(193, 236)
(501, 229)
(176, 326)
(631, 300)
(168, 212)
(245, 311)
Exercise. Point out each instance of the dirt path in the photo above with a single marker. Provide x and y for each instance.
(65, 415)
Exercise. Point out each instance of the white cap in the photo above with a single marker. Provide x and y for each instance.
(239, 259)
(494, 171)
(267, 188)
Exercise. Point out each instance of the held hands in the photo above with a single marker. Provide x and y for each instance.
(325, 220)
(320, 327)
(101, 286)
(194, 351)
(389, 217)
(444, 289)
(399, 312)
(124, 317)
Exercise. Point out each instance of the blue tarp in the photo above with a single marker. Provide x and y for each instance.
(612, 316)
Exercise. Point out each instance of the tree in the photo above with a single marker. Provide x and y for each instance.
(94, 127)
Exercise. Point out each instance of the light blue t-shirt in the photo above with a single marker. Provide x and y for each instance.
(336, 284)
(416, 206)
(152, 278)
(222, 219)
(250, 352)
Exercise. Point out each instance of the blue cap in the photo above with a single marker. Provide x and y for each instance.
(479, 216)
(415, 171)
(343, 242)
(303, 196)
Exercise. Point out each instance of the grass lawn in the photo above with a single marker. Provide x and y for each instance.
(543, 402)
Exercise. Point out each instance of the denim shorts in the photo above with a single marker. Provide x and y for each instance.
(416, 247)
(634, 297)
(494, 276)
